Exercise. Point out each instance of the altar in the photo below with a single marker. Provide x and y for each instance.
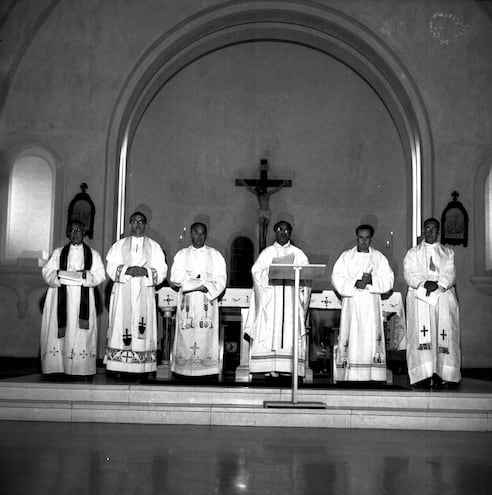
(234, 349)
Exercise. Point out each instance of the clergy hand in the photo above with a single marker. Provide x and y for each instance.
(360, 284)
(430, 287)
(367, 278)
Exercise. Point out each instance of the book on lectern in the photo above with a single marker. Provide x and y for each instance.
(288, 259)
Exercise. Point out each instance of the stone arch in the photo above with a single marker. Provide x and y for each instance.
(318, 27)
(482, 278)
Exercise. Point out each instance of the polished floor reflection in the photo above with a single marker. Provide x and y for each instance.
(106, 459)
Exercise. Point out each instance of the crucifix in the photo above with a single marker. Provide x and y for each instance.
(259, 187)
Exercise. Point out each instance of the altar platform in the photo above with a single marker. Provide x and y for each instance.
(105, 400)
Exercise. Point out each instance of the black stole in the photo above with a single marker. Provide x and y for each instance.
(84, 293)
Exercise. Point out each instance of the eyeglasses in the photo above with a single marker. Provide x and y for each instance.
(75, 231)
(430, 229)
(138, 222)
(285, 231)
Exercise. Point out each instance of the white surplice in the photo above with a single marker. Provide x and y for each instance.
(196, 340)
(361, 344)
(74, 354)
(270, 319)
(132, 331)
(433, 331)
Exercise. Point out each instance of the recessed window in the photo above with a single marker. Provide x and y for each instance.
(488, 222)
(242, 259)
(30, 211)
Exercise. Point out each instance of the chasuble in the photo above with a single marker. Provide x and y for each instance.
(433, 332)
(361, 352)
(196, 343)
(69, 322)
(132, 331)
(270, 319)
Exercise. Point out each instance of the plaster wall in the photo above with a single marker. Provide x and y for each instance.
(63, 67)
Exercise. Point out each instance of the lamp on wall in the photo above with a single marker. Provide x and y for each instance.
(82, 208)
(454, 223)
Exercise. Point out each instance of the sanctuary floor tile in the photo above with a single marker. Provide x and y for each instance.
(103, 459)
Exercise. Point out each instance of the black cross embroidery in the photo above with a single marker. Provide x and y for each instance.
(141, 326)
(424, 330)
(127, 337)
(326, 301)
(126, 355)
(443, 334)
(194, 348)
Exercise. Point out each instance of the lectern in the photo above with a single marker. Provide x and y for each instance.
(293, 272)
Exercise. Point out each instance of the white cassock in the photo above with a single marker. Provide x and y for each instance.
(196, 349)
(132, 331)
(270, 319)
(433, 330)
(76, 352)
(361, 343)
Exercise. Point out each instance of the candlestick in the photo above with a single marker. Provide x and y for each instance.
(389, 244)
(182, 236)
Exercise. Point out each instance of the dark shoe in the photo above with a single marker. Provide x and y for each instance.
(437, 383)
(423, 384)
(144, 378)
(451, 385)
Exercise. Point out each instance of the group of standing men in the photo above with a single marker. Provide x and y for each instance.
(137, 264)
(362, 275)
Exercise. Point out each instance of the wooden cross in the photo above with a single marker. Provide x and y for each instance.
(260, 187)
(264, 181)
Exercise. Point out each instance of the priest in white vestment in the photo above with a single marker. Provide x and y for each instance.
(433, 331)
(360, 276)
(199, 271)
(136, 264)
(270, 320)
(69, 323)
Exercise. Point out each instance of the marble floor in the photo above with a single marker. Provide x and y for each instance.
(104, 459)
(93, 458)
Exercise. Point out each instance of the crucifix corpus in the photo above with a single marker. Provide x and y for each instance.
(260, 188)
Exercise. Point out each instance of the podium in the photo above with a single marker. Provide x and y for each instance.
(293, 272)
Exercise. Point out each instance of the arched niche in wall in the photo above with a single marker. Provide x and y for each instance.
(23, 210)
(311, 25)
(242, 259)
(482, 226)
